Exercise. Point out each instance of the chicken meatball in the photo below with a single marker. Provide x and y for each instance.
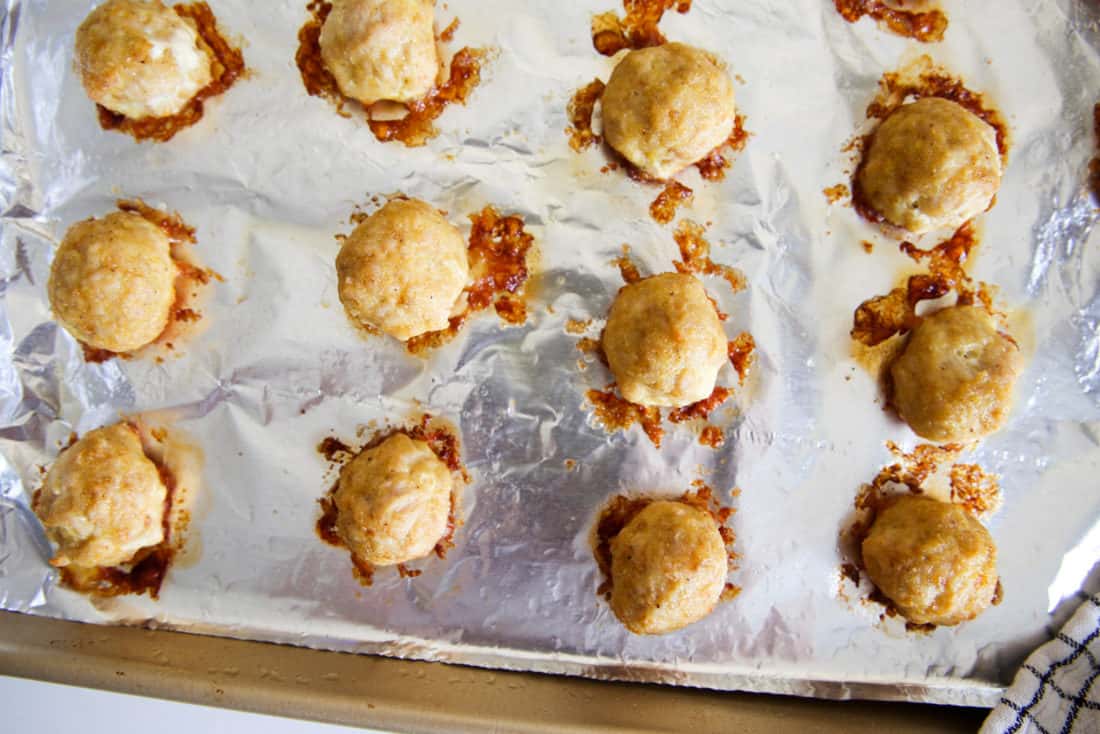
(402, 270)
(931, 164)
(393, 501)
(932, 559)
(664, 342)
(955, 377)
(112, 282)
(381, 49)
(103, 500)
(139, 58)
(668, 568)
(666, 107)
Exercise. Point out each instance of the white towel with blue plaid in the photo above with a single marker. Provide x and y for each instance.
(1056, 692)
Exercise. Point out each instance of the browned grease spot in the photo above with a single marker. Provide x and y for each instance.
(974, 489)
(416, 127)
(920, 79)
(448, 33)
(618, 513)
(189, 278)
(926, 27)
(663, 209)
(227, 65)
(712, 436)
(589, 345)
(868, 246)
(695, 254)
(615, 413)
(1094, 164)
(879, 318)
(576, 326)
(444, 444)
(145, 573)
(701, 409)
(712, 167)
(580, 109)
(498, 251)
(742, 354)
(833, 194)
(627, 269)
(636, 29)
(570, 464)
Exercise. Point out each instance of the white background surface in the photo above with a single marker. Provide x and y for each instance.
(29, 706)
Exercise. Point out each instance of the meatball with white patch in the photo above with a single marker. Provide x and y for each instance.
(139, 58)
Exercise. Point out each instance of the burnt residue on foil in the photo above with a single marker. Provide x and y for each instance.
(413, 123)
(920, 20)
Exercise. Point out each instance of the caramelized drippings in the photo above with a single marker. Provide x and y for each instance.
(742, 354)
(695, 254)
(146, 571)
(189, 278)
(663, 209)
(926, 27)
(618, 513)
(580, 110)
(713, 166)
(416, 127)
(1094, 164)
(577, 326)
(879, 318)
(627, 269)
(448, 33)
(703, 408)
(636, 29)
(974, 489)
(868, 246)
(498, 251)
(618, 414)
(444, 444)
(712, 437)
(833, 194)
(227, 65)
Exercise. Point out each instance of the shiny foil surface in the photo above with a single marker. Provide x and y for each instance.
(271, 175)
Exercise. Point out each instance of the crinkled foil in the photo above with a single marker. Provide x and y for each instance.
(270, 175)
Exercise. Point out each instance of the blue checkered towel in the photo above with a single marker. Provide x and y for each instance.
(1056, 691)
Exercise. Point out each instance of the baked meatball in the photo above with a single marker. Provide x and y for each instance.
(103, 500)
(932, 559)
(393, 501)
(381, 49)
(931, 164)
(402, 270)
(668, 568)
(954, 379)
(112, 282)
(666, 107)
(139, 58)
(664, 342)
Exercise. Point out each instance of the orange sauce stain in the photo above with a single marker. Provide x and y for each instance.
(636, 29)
(926, 27)
(227, 66)
(663, 209)
(695, 254)
(498, 250)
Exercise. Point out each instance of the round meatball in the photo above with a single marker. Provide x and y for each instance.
(381, 49)
(664, 342)
(954, 380)
(666, 107)
(139, 58)
(112, 282)
(932, 559)
(931, 164)
(402, 270)
(393, 501)
(668, 568)
(103, 500)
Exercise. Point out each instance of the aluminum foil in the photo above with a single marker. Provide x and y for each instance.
(270, 175)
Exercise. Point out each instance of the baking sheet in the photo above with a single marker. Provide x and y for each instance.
(270, 176)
